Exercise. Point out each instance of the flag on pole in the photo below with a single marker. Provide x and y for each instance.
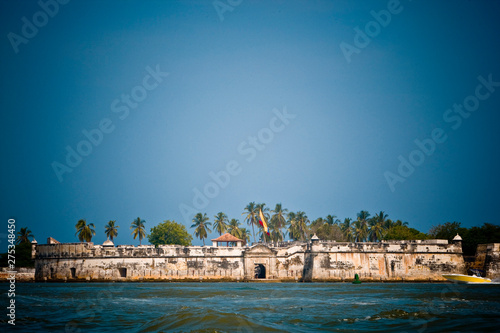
(263, 223)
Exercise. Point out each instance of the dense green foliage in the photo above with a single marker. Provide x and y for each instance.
(487, 233)
(22, 255)
(364, 228)
(400, 232)
(169, 232)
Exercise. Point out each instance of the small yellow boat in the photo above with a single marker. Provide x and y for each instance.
(460, 278)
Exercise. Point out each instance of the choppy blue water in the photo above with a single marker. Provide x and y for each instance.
(254, 307)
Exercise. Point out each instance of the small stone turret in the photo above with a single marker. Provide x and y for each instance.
(457, 240)
(33, 248)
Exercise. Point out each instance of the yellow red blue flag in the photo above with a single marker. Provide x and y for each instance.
(263, 223)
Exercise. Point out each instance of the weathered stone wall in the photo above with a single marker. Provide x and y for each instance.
(86, 261)
(492, 260)
(316, 261)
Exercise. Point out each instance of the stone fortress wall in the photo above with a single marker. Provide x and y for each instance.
(316, 260)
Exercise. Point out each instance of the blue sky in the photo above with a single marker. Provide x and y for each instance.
(350, 117)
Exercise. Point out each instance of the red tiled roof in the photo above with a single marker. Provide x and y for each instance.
(227, 238)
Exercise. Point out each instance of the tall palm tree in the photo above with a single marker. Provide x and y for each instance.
(111, 230)
(234, 228)
(363, 216)
(220, 223)
(251, 213)
(346, 229)
(137, 227)
(24, 235)
(245, 235)
(85, 231)
(302, 222)
(200, 222)
(278, 219)
(359, 230)
(376, 232)
(377, 226)
(331, 219)
(293, 227)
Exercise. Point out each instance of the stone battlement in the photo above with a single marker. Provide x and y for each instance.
(288, 261)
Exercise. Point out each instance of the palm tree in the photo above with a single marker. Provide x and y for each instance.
(302, 222)
(220, 223)
(250, 218)
(363, 216)
(346, 229)
(278, 220)
(359, 230)
(24, 236)
(137, 227)
(376, 232)
(293, 230)
(202, 226)
(111, 230)
(377, 226)
(85, 231)
(234, 228)
(331, 219)
(245, 235)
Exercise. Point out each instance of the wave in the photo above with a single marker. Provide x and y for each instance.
(207, 321)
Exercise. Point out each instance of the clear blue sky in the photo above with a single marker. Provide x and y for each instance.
(355, 112)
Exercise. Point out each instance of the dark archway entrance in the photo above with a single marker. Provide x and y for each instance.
(123, 272)
(260, 271)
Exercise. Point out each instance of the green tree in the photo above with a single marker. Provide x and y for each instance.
(402, 232)
(293, 227)
(23, 256)
(234, 228)
(346, 229)
(302, 223)
(84, 231)
(447, 230)
(278, 221)
(315, 225)
(329, 232)
(359, 230)
(201, 225)
(169, 232)
(377, 226)
(111, 230)
(245, 235)
(487, 233)
(251, 213)
(24, 236)
(220, 223)
(332, 219)
(138, 229)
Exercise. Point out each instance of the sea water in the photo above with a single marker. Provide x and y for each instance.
(254, 307)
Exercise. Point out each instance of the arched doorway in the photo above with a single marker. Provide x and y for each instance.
(260, 271)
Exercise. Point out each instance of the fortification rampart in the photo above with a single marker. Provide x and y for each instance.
(313, 261)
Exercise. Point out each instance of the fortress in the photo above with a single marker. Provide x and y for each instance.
(316, 260)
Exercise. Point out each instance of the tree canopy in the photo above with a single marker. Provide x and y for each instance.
(169, 232)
